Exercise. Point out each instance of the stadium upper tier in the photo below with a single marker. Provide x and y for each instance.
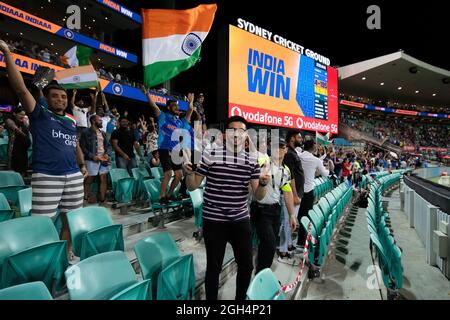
(398, 130)
(397, 78)
(101, 29)
(401, 108)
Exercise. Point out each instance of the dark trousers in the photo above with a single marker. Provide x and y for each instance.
(305, 205)
(216, 235)
(267, 225)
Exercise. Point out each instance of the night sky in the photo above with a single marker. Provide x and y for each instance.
(336, 30)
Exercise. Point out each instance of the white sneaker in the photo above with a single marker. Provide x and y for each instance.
(287, 259)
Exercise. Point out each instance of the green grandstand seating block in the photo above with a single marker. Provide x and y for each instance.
(93, 232)
(177, 280)
(264, 286)
(27, 291)
(138, 291)
(100, 277)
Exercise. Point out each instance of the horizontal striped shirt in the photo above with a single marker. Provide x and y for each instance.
(228, 176)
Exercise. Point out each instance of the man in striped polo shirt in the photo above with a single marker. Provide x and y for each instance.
(230, 171)
(56, 180)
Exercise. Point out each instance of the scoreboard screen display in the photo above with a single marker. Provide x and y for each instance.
(272, 85)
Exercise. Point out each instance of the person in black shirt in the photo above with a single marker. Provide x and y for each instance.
(293, 162)
(123, 141)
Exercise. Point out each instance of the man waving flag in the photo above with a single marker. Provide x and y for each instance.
(172, 40)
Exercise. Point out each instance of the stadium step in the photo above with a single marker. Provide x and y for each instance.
(345, 274)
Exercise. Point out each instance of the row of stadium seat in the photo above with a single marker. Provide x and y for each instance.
(323, 218)
(388, 253)
(322, 185)
(33, 252)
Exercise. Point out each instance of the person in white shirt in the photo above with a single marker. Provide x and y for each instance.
(267, 211)
(310, 165)
(81, 110)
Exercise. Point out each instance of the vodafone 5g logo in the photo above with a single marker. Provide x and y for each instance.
(300, 123)
(236, 111)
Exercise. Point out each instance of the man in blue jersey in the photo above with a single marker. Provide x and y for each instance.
(168, 124)
(57, 156)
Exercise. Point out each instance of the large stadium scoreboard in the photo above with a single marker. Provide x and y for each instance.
(280, 83)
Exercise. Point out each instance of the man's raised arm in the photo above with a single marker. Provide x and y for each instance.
(151, 102)
(191, 107)
(16, 80)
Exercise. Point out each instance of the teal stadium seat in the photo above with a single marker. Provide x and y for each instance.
(6, 213)
(139, 175)
(156, 173)
(93, 232)
(138, 291)
(197, 203)
(122, 185)
(27, 291)
(25, 197)
(154, 253)
(264, 286)
(31, 251)
(10, 183)
(177, 280)
(101, 277)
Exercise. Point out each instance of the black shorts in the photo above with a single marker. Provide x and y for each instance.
(166, 161)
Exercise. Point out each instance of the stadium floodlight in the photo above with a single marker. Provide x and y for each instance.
(363, 78)
(417, 91)
(399, 88)
(434, 94)
(382, 84)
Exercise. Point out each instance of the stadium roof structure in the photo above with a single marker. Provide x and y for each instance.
(397, 77)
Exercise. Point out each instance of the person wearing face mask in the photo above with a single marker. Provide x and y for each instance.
(57, 179)
(169, 123)
(97, 152)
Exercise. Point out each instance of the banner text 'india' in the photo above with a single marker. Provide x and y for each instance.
(172, 40)
(273, 85)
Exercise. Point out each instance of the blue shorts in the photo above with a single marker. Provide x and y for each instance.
(96, 168)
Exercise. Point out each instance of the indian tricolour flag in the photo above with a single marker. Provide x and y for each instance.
(323, 140)
(172, 40)
(77, 78)
(77, 56)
